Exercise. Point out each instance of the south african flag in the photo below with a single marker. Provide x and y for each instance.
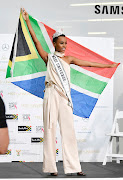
(27, 69)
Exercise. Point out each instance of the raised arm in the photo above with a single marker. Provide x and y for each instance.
(42, 53)
(79, 62)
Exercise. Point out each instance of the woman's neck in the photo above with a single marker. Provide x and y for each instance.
(59, 54)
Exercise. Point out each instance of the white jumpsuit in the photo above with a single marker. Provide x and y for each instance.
(55, 107)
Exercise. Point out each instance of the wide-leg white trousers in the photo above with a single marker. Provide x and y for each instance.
(55, 107)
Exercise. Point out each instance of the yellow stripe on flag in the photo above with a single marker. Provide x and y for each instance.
(33, 54)
(10, 63)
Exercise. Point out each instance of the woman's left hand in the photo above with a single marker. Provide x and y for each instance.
(114, 65)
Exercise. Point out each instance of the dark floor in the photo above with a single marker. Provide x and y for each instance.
(34, 170)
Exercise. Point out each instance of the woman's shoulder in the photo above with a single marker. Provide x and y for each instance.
(68, 59)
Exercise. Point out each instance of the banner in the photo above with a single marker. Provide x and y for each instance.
(25, 114)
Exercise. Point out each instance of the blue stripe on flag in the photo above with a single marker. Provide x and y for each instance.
(82, 103)
(82, 108)
(34, 86)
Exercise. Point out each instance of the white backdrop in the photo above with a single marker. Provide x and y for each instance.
(26, 130)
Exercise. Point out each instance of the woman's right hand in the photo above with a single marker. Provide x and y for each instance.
(24, 14)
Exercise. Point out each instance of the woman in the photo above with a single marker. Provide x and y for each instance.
(58, 106)
(4, 137)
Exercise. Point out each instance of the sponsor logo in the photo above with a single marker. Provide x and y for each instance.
(12, 116)
(26, 117)
(28, 153)
(1, 93)
(17, 140)
(84, 131)
(102, 107)
(37, 140)
(38, 117)
(85, 119)
(81, 140)
(5, 47)
(18, 152)
(12, 105)
(22, 161)
(39, 129)
(89, 151)
(8, 152)
(57, 151)
(103, 9)
(18, 93)
(3, 58)
(4, 81)
(2, 70)
(32, 105)
(18, 161)
(24, 128)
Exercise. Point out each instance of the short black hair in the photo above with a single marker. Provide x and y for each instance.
(55, 39)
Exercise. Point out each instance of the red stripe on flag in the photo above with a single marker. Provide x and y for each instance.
(50, 31)
(83, 53)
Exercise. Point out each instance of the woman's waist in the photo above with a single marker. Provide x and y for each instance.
(53, 85)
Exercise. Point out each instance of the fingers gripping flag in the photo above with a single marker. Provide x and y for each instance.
(27, 69)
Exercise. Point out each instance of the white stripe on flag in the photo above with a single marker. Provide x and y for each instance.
(84, 91)
(46, 36)
(89, 73)
(26, 77)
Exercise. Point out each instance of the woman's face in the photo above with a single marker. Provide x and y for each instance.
(60, 44)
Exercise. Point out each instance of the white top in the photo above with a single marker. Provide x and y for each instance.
(52, 75)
